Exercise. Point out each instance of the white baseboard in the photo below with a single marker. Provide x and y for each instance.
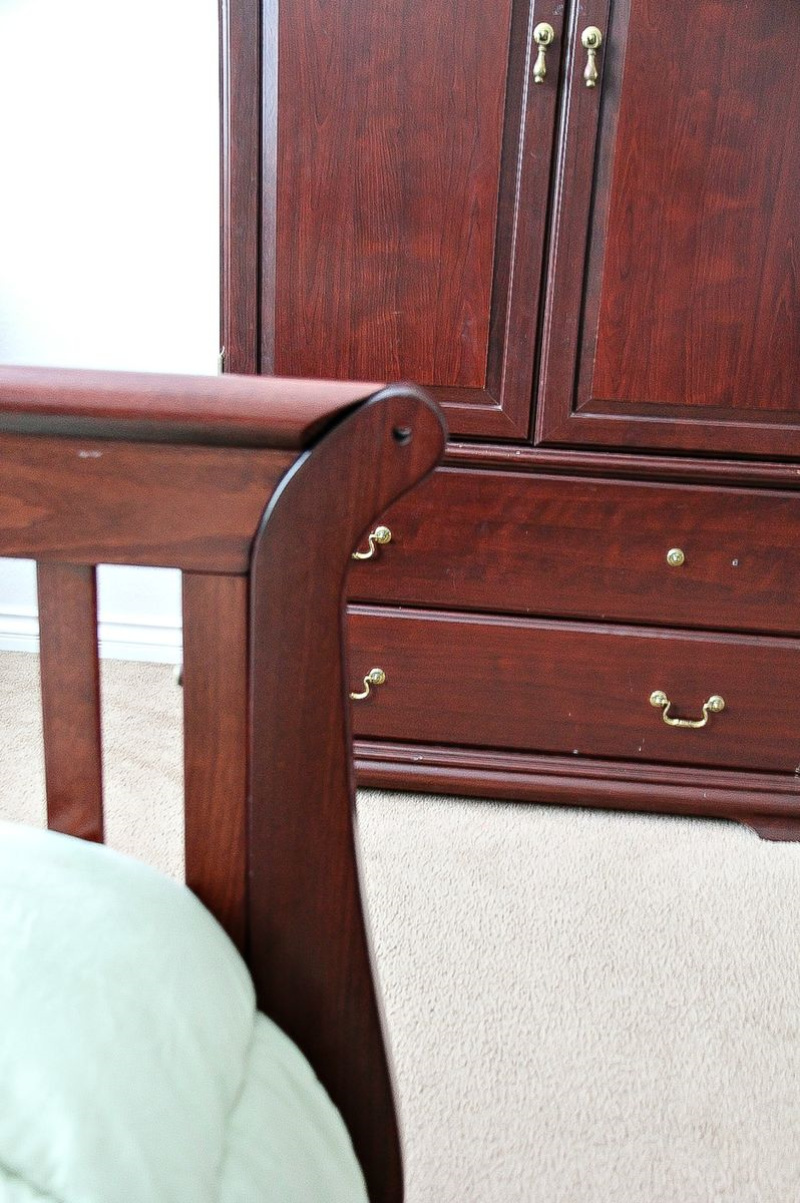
(119, 639)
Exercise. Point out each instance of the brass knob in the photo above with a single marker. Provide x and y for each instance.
(379, 537)
(714, 705)
(675, 557)
(543, 36)
(591, 40)
(375, 676)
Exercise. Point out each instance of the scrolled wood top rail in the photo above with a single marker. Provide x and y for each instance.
(239, 411)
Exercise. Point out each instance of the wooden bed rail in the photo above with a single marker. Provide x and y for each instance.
(241, 411)
(258, 491)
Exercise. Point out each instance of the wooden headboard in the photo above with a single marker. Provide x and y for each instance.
(257, 490)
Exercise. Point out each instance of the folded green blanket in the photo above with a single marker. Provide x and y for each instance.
(134, 1067)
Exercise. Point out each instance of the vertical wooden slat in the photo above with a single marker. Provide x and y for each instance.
(71, 699)
(215, 686)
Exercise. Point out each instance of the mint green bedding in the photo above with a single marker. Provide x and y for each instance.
(134, 1067)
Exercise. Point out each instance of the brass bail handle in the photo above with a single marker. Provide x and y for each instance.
(375, 676)
(714, 705)
(591, 40)
(543, 36)
(379, 538)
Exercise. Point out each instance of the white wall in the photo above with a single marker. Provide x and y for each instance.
(108, 229)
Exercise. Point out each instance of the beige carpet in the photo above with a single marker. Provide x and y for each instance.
(584, 1007)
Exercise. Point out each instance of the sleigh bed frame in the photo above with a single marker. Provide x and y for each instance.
(258, 490)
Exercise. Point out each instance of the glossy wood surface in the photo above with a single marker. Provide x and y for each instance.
(406, 182)
(767, 802)
(411, 97)
(195, 508)
(664, 202)
(578, 689)
(713, 160)
(266, 731)
(241, 272)
(308, 950)
(685, 334)
(570, 547)
(70, 677)
(237, 411)
(698, 469)
(215, 715)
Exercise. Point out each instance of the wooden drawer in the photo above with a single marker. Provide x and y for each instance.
(521, 544)
(576, 688)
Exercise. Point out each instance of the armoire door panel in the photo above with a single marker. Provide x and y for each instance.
(406, 177)
(675, 287)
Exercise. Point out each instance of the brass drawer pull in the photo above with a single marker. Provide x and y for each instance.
(543, 36)
(591, 40)
(379, 537)
(375, 676)
(713, 706)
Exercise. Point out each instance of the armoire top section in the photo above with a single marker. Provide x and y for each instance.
(578, 243)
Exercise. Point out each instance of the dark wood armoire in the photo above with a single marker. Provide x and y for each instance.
(580, 224)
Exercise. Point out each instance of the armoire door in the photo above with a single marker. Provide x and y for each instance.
(673, 317)
(407, 152)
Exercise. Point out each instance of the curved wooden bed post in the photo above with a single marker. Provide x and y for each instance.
(258, 490)
(308, 949)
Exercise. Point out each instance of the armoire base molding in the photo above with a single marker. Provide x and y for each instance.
(769, 803)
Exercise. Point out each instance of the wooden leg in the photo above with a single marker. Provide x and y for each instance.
(775, 827)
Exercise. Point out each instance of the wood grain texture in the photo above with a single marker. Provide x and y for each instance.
(109, 502)
(240, 130)
(239, 411)
(698, 468)
(216, 735)
(770, 803)
(523, 198)
(579, 689)
(700, 263)
(573, 548)
(678, 328)
(265, 702)
(404, 195)
(389, 140)
(308, 947)
(267, 190)
(71, 699)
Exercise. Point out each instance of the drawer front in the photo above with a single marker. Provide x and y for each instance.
(576, 688)
(520, 544)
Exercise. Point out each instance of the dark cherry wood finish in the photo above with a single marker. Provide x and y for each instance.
(576, 548)
(213, 496)
(423, 258)
(580, 689)
(265, 716)
(242, 275)
(769, 803)
(680, 328)
(231, 411)
(303, 890)
(215, 709)
(699, 469)
(70, 675)
(601, 283)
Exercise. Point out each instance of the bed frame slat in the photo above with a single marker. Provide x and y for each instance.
(70, 671)
(215, 735)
